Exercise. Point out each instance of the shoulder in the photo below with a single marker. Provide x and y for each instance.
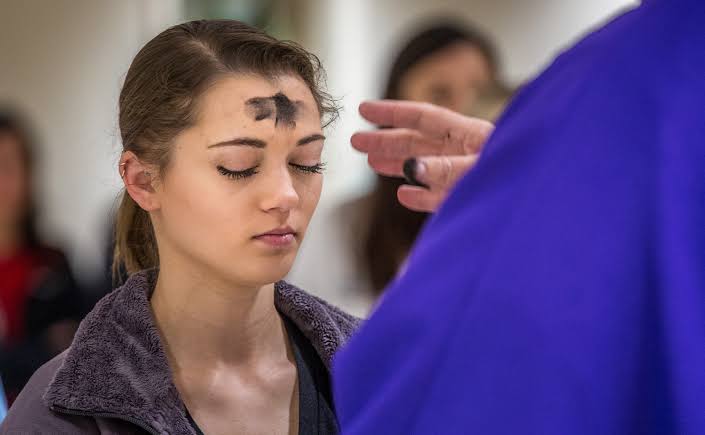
(30, 414)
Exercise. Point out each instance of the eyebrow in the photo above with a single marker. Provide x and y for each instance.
(310, 138)
(258, 143)
(241, 141)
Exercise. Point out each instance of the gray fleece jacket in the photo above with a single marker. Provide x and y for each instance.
(115, 378)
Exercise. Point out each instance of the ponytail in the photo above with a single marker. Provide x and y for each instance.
(135, 243)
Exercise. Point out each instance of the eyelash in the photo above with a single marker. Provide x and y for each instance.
(315, 169)
(238, 175)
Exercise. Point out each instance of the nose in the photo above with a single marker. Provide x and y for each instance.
(278, 193)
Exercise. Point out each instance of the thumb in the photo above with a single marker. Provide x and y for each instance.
(440, 172)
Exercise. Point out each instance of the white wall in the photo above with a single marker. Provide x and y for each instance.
(528, 33)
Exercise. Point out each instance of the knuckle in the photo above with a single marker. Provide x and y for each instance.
(447, 171)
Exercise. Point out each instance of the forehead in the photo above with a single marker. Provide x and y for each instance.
(461, 58)
(232, 96)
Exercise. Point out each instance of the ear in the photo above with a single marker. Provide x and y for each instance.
(138, 179)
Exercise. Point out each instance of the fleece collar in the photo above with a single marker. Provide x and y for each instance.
(117, 367)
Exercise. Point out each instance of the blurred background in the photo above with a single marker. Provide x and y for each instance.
(63, 62)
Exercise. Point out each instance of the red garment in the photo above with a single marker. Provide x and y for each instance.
(18, 275)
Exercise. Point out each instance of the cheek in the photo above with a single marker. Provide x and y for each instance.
(203, 211)
(309, 192)
(13, 189)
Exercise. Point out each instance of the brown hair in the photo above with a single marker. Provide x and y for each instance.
(160, 96)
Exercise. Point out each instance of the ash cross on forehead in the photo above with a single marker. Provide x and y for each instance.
(278, 106)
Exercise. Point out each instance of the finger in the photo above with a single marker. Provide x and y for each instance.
(420, 199)
(435, 171)
(390, 167)
(442, 172)
(398, 142)
(462, 134)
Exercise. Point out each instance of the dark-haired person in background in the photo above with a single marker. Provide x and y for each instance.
(447, 64)
(40, 303)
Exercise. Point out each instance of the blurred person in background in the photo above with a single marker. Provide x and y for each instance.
(40, 302)
(447, 64)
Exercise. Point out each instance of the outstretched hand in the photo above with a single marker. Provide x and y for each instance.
(444, 144)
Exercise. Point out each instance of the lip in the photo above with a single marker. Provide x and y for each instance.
(278, 232)
(279, 237)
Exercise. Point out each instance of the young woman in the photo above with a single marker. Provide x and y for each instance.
(222, 132)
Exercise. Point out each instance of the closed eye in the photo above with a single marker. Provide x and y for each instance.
(237, 175)
(315, 169)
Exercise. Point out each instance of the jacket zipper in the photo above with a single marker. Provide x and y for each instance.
(134, 421)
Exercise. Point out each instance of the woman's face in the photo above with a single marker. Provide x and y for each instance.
(452, 77)
(242, 183)
(13, 180)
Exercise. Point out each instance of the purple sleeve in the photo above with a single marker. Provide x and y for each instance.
(561, 288)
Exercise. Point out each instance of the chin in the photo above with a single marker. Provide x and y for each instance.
(276, 267)
(261, 272)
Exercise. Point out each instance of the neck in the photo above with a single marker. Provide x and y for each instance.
(206, 321)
